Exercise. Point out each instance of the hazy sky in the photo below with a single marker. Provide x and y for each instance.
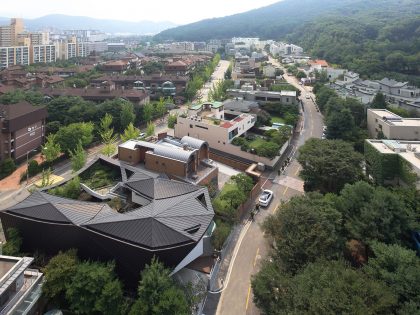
(179, 11)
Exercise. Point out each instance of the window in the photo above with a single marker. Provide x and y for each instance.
(191, 126)
(193, 229)
(198, 126)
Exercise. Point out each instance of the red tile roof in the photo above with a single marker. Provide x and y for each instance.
(226, 125)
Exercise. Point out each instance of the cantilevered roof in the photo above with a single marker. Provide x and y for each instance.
(46, 207)
(178, 213)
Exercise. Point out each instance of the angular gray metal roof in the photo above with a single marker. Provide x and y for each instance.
(157, 188)
(178, 213)
(46, 207)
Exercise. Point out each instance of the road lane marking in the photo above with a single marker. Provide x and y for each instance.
(297, 171)
(276, 207)
(287, 187)
(247, 298)
(255, 259)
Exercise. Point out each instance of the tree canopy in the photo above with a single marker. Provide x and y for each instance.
(327, 165)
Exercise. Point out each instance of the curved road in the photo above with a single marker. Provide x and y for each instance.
(237, 297)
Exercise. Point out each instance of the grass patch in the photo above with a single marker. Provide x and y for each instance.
(277, 119)
(98, 176)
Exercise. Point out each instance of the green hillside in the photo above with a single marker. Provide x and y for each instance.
(273, 21)
(381, 41)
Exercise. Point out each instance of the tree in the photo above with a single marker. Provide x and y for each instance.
(158, 294)
(78, 157)
(244, 182)
(327, 165)
(323, 287)
(235, 197)
(172, 119)
(303, 230)
(13, 244)
(161, 107)
(46, 178)
(68, 137)
(107, 135)
(371, 214)
(51, 150)
(300, 75)
(323, 95)
(150, 130)
(127, 115)
(58, 272)
(130, 132)
(7, 167)
(340, 125)
(147, 112)
(94, 288)
(399, 268)
(378, 101)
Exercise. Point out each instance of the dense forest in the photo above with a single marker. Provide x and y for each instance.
(374, 43)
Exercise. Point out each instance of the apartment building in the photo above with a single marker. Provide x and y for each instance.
(20, 286)
(393, 162)
(43, 54)
(16, 55)
(382, 122)
(22, 128)
(9, 33)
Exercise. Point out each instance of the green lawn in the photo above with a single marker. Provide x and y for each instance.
(276, 119)
(254, 144)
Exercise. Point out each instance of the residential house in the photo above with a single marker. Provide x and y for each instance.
(387, 124)
(162, 218)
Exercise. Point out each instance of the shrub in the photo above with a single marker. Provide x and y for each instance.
(33, 168)
(13, 244)
(7, 167)
(69, 190)
(221, 233)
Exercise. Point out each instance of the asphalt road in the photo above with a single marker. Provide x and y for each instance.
(237, 298)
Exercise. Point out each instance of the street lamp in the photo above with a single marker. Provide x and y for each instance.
(27, 165)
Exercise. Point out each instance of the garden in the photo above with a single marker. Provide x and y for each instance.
(267, 145)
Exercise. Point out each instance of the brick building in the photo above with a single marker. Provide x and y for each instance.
(22, 128)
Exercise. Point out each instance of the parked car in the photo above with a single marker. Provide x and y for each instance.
(141, 136)
(265, 198)
(324, 128)
(307, 96)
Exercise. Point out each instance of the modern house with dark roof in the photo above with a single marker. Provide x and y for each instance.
(22, 128)
(164, 218)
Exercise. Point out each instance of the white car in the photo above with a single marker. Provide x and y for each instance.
(307, 96)
(265, 198)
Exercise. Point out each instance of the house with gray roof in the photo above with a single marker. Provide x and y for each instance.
(165, 218)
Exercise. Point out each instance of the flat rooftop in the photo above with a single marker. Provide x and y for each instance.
(396, 120)
(6, 265)
(409, 150)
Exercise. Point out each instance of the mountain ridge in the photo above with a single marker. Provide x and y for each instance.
(63, 22)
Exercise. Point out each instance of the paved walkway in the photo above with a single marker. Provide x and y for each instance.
(12, 182)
